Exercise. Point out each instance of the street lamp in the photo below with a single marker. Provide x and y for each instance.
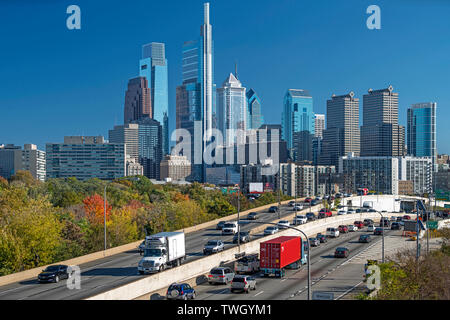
(309, 250)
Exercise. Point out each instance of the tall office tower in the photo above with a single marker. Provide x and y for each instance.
(196, 97)
(150, 146)
(319, 125)
(85, 158)
(128, 134)
(231, 110)
(297, 115)
(10, 156)
(138, 103)
(422, 131)
(381, 135)
(153, 66)
(303, 146)
(254, 116)
(342, 133)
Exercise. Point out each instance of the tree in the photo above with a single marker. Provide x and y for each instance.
(94, 208)
(24, 177)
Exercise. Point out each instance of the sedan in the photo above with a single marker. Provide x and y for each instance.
(314, 242)
(314, 202)
(244, 236)
(352, 228)
(378, 231)
(341, 212)
(370, 228)
(297, 207)
(252, 216)
(406, 217)
(341, 252)
(283, 224)
(364, 238)
(270, 230)
(311, 216)
(273, 209)
(213, 246)
(219, 226)
(322, 238)
(367, 222)
(395, 226)
(55, 273)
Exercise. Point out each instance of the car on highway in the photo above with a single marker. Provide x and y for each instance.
(283, 224)
(385, 222)
(270, 230)
(314, 242)
(359, 224)
(307, 200)
(219, 226)
(291, 203)
(311, 216)
(326, 197)
(319, 198)
(273, 209)
(370, 228)
(180, 291)
(352, 228)
(341, 252)
(341, 212)
(393, 218)
(247, 264)
(252, 216)
(343, 229)
(324, 213)
(332, 232)
(230, 228)
(314, 202)
(141, 248)
(55, 273)
(299, 220)
(395, 226)
(406, 217)
(368, 222)
(359, 210)
(372, 210)
(338, 195)
(322, 238)
(243, 283)
(351, 211)
(297, 207)
(364, 238)
(222, 275)
(213, 246)
(378, 231)
(399, 219)
(244, 236)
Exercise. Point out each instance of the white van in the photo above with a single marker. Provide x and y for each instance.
(332, 232)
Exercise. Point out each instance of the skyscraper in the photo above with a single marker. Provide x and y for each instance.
(153, 66)
(231, 110)
(254, 116)
(297, 115)
(342, 133)
(195, 98)
(422, 131)
(319, 124)
(150, 146)
(127, 134)
(138, 103)
(381, 135)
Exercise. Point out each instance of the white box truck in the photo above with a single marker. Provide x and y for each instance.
(162, 250)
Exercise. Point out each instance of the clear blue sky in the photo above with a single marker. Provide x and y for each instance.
(56, 82)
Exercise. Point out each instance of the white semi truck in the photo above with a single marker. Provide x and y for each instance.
(162, 250)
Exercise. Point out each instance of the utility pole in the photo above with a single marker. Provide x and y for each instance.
(279, 190)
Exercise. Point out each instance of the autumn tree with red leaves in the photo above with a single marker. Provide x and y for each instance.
(93, 206)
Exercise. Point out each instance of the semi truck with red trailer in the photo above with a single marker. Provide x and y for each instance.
(282, 253)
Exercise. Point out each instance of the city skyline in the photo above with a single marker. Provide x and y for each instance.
(81, 95)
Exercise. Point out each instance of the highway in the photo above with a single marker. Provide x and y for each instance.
(329, 274)
(107, 273)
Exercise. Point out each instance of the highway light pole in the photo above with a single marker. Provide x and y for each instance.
(309, 250)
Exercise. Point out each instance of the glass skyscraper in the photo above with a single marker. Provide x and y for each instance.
(153, 66)
(297, 115)
(422, 131)
(255, 118)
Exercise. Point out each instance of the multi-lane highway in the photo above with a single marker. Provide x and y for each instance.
(108, 273)
(336, 275)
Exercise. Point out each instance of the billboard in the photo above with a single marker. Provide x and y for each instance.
(255, 187)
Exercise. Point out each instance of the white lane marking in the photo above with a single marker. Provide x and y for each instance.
(258, 293)
(348, 290)
(284, 279)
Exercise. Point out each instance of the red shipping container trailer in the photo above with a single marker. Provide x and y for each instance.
(278, 253)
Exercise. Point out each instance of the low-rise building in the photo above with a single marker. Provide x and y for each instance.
(175, 168)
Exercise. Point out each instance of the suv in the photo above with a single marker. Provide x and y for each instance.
(395, 226)
(243, 235)
(180, 291)
(343, 229)
(324, 213)
(252, 216)
(213, 246)
(311, 216)
(243, 283)
(230, 228)
(249, 263)
(299, 220)
(385, 222)
(378, 231)
(221, 275)
(364, 238)
(332, 232)
(367, 222)
(297, 207)
(273, 209)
